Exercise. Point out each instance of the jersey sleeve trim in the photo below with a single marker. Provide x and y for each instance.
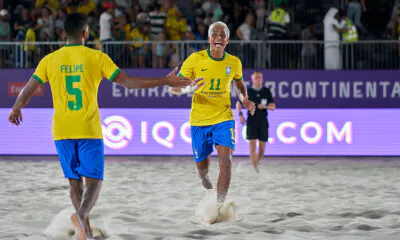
(114, 74)
(38, 79)
(180, 75)
(238, 79)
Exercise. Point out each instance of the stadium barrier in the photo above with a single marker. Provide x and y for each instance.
(254, 54)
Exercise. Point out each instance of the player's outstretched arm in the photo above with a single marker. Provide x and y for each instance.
(239, 109)
(26, 93)
(193, 86)
(140, 82)
(242, 94)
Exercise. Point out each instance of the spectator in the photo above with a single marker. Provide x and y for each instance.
(261, 14)
(198, 19)
(279, 3)
(144, 4)
(202, 32)
(160, 51)
(244, 31)
(122, 29)
(213, 8)
(46, 25)
(59, 23)
(127, 26)
(191, 47)
(308, 50)
(333, 26)
(5, 36)
(42, 3)
(394, 23)
(134, 11)
(349, 48)
(30, 49)
(157, 21)
(124, 5)
(176, 26)
(139, 49)
(170, 8)
(23, 21)
(238, 17)
(354, 8)
(86, 7)
(208, 20)
(106, 22)
(277, 25)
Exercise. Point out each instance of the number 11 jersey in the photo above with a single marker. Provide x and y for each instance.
(74, 73)
(211, 104)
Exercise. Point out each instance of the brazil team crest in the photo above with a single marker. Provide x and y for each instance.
(228, 70)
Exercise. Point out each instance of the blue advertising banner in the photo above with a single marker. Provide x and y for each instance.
(292, 89)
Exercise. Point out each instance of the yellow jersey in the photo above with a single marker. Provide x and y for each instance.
(53, 3)
(137, 35)
(86, 8)
(74, 73)
(30, 36)
(176, 28)
(211, 103)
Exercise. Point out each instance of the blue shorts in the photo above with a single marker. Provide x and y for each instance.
(81, 157)
(204, 137)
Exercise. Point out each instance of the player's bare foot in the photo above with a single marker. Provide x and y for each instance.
(79, 228)
(255, 166)
(88, 229)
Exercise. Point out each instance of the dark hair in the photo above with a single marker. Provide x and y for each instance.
(341, 13)
(156, 6)
(75, 24)
(32, 24)
(48, 10)
(310, 21)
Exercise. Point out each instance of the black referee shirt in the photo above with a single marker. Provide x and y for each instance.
(264, 96)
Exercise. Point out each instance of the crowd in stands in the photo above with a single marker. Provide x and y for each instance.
(174, 20)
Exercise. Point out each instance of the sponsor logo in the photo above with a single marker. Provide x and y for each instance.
(15, 87)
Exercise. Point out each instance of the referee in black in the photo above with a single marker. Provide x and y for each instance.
(257, 124)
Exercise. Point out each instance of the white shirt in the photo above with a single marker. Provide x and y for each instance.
(105, 26)
(157, 22)
(245, 29)
(331, 37)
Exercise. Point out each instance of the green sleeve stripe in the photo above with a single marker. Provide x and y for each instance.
(180, 75)
(238, 79)
(114, 74)
(38, 79)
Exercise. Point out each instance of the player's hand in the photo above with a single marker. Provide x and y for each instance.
(15, 117)
(249, 105)
(193, 86)
(261, 106)
(242, 120)
(175, 81)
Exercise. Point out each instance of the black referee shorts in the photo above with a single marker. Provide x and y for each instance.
(257, 132)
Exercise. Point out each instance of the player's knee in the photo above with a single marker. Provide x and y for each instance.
(225, 163)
